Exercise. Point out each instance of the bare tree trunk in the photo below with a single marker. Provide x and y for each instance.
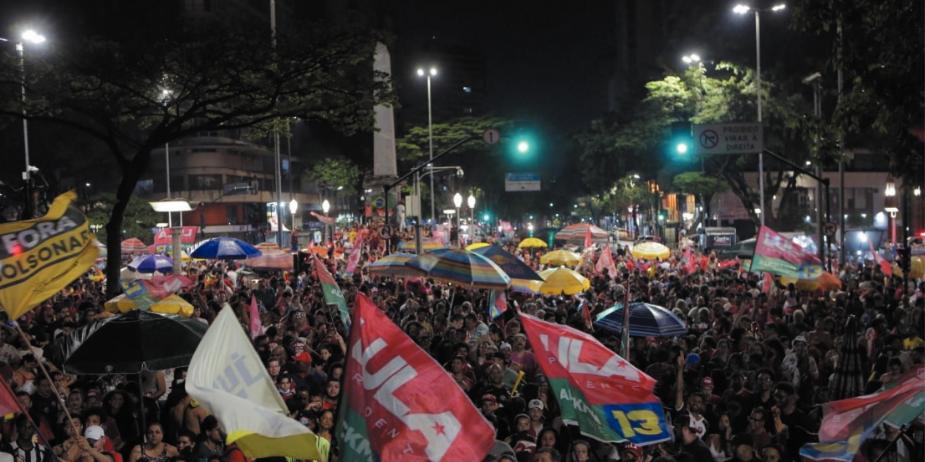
(131, 173)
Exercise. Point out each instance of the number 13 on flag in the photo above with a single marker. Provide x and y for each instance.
(638, 423)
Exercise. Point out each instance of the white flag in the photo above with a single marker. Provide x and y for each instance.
(227, 377)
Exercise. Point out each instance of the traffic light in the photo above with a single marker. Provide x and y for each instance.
(680, 143)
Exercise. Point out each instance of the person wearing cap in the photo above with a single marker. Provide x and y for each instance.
(536, 409)
(91, 448)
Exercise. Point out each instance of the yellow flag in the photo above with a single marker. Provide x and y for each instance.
(41, 256)
(228, 378)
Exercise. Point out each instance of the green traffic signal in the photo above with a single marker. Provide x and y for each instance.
(681, 148)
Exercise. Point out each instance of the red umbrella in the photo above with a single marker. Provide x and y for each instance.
(133, 244)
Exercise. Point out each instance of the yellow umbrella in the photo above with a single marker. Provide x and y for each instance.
(650, 251)
(561, 258)
(173, 304)
(477, 245)
(528, 286)
(119, 304)
(918, 267)
(563, 280)
(532, 243)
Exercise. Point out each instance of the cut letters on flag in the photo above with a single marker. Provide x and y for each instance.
(41, 256)
(608, 398)
(332, 293)
(778, 254)
(227, 376)
(399, 404)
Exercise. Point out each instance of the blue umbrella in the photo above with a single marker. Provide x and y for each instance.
(224, 248)
(646, 320)
(511, 265)
(152, 263)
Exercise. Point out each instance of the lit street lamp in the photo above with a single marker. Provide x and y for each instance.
(470, 201)
(457, 201)
(293, 208)
(35, 38)
(169, 206)
(325, 208)
(891, 206)
(432, 72)
(691, 59)
(742, 9)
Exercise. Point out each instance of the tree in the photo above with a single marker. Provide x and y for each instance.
(878, 46)
(157, 86)
(633, 139)
(335, 174)
(139, 218)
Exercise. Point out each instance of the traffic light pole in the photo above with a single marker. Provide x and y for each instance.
(422, 166)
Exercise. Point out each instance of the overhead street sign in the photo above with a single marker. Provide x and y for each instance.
(728, 138)
(514, 182)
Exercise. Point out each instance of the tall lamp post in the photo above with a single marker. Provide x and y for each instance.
(293, 208)
(743, 9)
(432, 72)
(325, 208)
(470, 201)
(891, 206)
(457, 201)
(33, 37)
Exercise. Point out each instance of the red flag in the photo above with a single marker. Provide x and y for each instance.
(588, 240)
(704, 263)
(8, 402)
(399, 404)
(629, 263)
(256, 326)
(885, 266)
(605, 263)
(355, 255)
(767, 283)
(586, 315)
(727, 264)
(690, 263)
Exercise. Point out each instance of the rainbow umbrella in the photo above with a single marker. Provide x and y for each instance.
(511, 265)
(426, 245)
(561, 258)
(393, 265)
(563, 281)
(461, 267)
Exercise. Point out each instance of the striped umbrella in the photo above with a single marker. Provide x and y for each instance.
(476, 246)
(133, 244)
(462, 267)
(526, 286)
(393, 265)
(646, 320)
(576, 233)
(224, 248)
(512, 266)
(426, 245)
(152, 263)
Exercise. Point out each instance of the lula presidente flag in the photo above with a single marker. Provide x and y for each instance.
(226, 376)
(847, 423)
(332, 293)
(778, 254)
(399, 404)
(41, 256)
(600, 392)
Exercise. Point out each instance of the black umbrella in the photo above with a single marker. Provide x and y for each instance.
(848, 379)
(132, 343)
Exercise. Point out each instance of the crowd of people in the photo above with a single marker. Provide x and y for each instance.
(746, 383)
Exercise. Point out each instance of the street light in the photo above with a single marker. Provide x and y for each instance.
(33, 37)
(325, 207)
(742, 9)
(691, 59)
(432, 72)
(891, 206)
(470, 201)
(169, 206)
(293, 208)
(457, 201)
(523, 147)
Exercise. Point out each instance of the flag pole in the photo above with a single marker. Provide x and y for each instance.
(38, 430)
(54, 388)
(626, 319)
